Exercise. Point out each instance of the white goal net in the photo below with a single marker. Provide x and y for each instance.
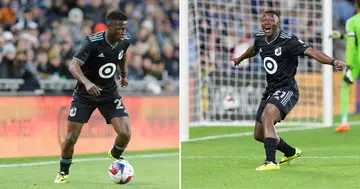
(220, 94)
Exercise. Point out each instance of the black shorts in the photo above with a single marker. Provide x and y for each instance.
(284, 99)
(83, 105)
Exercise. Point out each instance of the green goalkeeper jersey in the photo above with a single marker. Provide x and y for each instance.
(353, 40)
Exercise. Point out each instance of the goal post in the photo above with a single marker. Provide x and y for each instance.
(184, 71)
(223, 95)
(327, 70)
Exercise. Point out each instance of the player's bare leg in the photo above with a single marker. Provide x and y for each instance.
(270, 115)
(122, 127)
(259, 132)
(67, 150)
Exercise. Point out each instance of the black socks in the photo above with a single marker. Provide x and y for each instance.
(117, 151)
(65, 164)
(285, 148)
(270, 148)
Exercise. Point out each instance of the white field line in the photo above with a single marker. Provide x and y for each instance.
(253, 157)
(250, 133)
(145, 156)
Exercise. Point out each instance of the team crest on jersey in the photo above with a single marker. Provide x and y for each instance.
(72, 111)
(121, 54)
(278, 51)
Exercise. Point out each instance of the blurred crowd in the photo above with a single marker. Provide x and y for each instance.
(38, 38)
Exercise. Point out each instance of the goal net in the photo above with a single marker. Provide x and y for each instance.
(221, 94)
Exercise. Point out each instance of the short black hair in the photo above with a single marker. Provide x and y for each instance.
(116, 15)
(272, 12)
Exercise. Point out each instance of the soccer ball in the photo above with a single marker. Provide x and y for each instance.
(121, 171)
(230, 104)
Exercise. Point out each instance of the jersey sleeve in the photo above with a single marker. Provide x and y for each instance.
(256, 45)
(84, 52)
(127, 40)
(350, 42)
(297, 46)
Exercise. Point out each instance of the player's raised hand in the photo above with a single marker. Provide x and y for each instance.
(236, 61)
(92, 89)
(124, 82)
(339, 65)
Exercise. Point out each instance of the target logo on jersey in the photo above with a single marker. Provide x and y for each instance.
(107, 70)
(270, 65)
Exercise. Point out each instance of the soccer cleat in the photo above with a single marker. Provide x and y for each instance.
(268, 166)
(112, 157)
(342, 128)
(286, 160)
(61, 178)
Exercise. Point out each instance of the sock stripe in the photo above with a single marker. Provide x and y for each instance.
(119, 147)
(66, 160)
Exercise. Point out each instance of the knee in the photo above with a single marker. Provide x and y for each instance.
(71, 139)
(125, 135)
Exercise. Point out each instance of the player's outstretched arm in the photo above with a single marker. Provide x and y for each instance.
(75, 70)
(250, 52)
(325, 59)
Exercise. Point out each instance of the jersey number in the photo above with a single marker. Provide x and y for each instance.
(283, 96)
(107, 70)
(119, 104)
(270, 65)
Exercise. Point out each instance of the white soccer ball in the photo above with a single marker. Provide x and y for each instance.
(230, 104)
(121, 171)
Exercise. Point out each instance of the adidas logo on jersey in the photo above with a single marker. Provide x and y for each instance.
(101, 55)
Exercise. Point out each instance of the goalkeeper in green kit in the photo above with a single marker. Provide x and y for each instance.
(352, 60)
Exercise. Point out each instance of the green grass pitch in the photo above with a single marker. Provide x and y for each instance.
(150, 172)
(329, 160)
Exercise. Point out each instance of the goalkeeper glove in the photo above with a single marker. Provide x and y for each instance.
(348, 78)
(336, 35)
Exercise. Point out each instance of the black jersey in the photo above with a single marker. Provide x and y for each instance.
(279, 57)
(100, 60)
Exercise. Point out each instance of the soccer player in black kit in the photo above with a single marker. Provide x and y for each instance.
(279, 51)
(94, 66)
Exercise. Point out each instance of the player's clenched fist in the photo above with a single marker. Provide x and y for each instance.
(339, 65)
(92, 89)
(236, 61)
(124, 82)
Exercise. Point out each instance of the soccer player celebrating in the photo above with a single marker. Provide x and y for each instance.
(279, 51)
(94, 66)
(352, 70)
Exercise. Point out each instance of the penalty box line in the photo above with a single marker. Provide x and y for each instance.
(250, 133)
